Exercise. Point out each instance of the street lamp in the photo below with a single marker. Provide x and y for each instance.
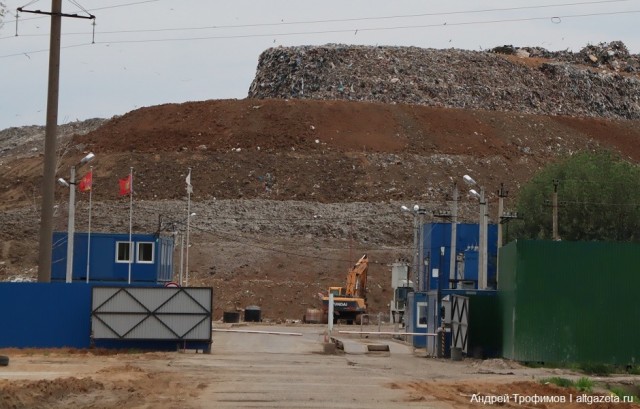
(189, 216)
(418, 244)
(72, 213)
(483, 228)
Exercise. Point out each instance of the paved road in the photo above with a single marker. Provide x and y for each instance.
(277, 371)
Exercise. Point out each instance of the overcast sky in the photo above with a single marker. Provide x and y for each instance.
(163, 51)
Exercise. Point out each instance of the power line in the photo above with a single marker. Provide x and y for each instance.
(553, 19)
(94, 9)
(356, 19)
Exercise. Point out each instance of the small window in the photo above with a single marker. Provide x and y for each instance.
(123, 251)
(421, 314)
(145, 252)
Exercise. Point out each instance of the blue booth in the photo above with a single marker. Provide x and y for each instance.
(110, 257)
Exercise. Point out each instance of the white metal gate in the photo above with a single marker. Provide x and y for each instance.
(459, 322)
(151, 313)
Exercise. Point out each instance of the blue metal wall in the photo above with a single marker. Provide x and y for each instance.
(58, 315)
(102, 262)
(45, 315)
(438, 235)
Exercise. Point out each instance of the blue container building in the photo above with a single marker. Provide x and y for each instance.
(105, 257)
(438, 236)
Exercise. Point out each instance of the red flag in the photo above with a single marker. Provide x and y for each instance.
(86, 182)
(125, 186)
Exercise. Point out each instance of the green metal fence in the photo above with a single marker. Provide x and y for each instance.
(570, 302)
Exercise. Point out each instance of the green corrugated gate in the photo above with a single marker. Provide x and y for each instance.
(572, 302)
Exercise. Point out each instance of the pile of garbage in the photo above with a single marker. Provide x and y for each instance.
(598, 81)
(612, 56)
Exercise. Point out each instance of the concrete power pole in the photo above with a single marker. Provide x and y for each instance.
(423, 278)
(554, 205)
(416, 250)
(50, 147)
(50, 137)
(482, 256)
(502, 194)
(454, 235)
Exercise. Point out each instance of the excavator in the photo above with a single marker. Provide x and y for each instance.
(350, 302)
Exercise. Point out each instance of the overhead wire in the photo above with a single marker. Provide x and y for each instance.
(93, 9)
(242, 36)
(554, 19)
(356, 19)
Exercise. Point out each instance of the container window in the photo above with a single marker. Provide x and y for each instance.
(123, 251)
(421, 314)
(145, 252)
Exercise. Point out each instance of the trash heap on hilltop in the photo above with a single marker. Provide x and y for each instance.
(598, 81)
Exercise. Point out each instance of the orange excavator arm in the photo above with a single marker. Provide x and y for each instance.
(357, 279)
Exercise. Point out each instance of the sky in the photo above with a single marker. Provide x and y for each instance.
(146, 53)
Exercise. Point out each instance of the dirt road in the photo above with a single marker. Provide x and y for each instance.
(272, 371)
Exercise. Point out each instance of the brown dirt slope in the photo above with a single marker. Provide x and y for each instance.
(289, 193)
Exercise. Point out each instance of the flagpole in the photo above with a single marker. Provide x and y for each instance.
(181, 256)
(89, 227)
(130, 220)
(188, 224)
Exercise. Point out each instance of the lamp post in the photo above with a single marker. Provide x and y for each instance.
(482, 241)
(189, 216)
(440, 269)
(72, 213)
(418, 244)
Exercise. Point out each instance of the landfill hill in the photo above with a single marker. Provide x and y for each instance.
(598, 81)
(289, 193)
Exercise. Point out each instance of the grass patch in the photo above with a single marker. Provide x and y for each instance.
(620, 392)
(558, 381)
(584, 384)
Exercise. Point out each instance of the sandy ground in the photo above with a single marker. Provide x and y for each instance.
(284, 371)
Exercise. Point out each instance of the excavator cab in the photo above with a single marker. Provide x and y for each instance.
(337, 291)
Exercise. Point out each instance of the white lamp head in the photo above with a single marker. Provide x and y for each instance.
(469, 180)
(63, 182)
(90, 156)
(474, 193)
(416, 208)
(404, 208)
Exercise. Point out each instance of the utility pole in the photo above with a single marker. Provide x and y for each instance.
(482, 259)
(554, 201)
(502, 194)
(423, 279)
(50, 138)
(50, 142)
(416, 250)
(454, 236)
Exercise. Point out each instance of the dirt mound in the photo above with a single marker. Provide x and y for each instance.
(288, 194)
